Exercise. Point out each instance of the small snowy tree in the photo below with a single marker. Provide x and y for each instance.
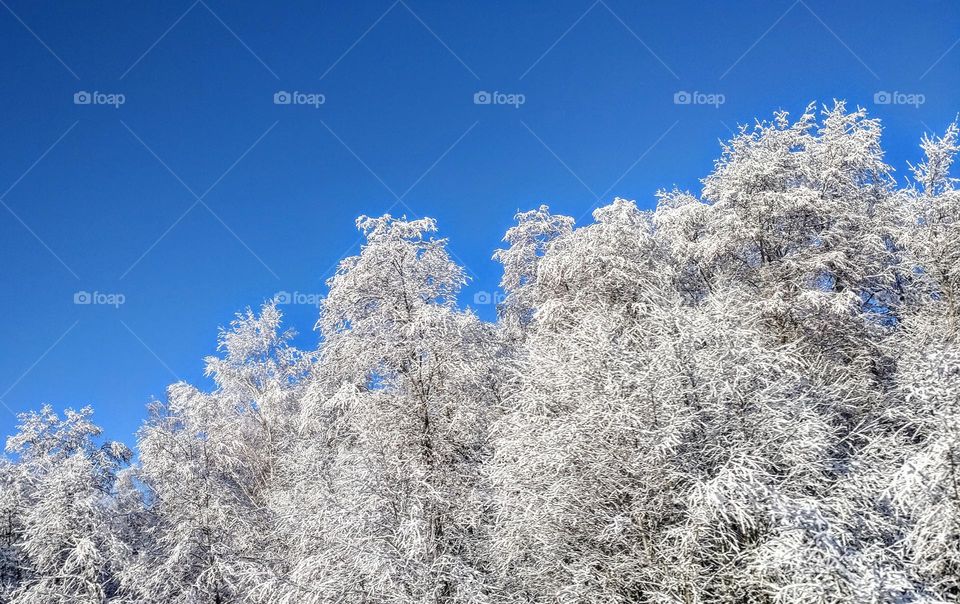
(208, 461)
(62, 483)
(528, 240)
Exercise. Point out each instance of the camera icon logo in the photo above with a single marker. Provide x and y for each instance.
(82, 297)
(482, 98)
(282, 97)
(482, 298)
(82, 98)
(682, 97)
(882, 97)
(282, 297)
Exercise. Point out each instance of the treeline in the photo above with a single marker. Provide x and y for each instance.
(748, 396)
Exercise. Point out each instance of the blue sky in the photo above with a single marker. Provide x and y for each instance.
(199, 195)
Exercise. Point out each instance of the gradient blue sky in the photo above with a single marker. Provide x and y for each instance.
(97, 198)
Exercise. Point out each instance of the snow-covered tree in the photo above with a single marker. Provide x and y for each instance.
(528, 240)
(57, 509)
(412, 376)
(923, 436)
(208, 462)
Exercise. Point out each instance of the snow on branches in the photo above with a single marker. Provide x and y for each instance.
(747, 396)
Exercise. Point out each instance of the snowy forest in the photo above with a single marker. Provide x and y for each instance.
(748, 395)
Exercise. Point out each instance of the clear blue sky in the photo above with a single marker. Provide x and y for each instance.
(99, 198)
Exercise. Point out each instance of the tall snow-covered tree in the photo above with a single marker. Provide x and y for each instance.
(413, 377)
(923, 437)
